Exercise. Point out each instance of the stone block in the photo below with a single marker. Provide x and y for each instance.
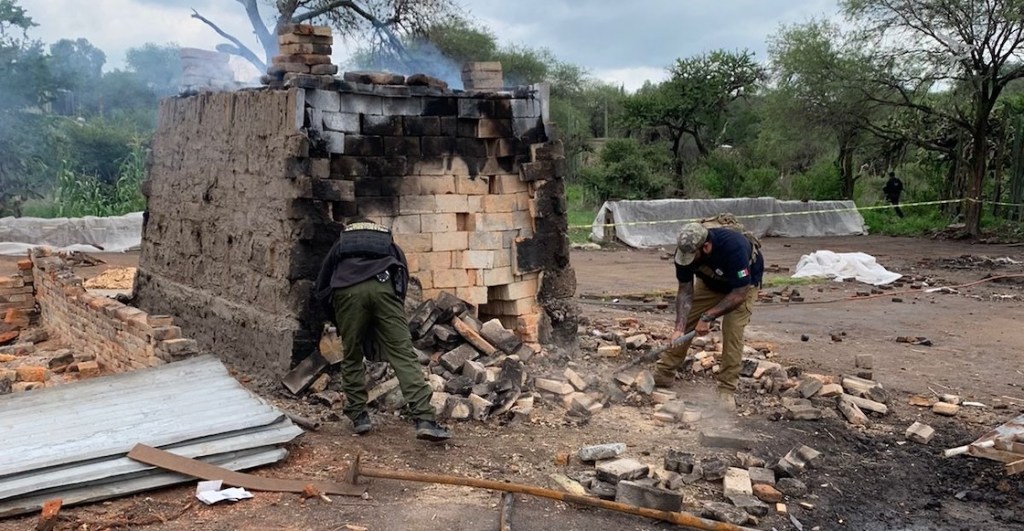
(663, 396)
(640, 495)
(644, 382)
(808, 387)
(454, 359)
(851, 411)
(361, 104)
(434, 223)
(791, 487)
(601, 451)
(553, 386)
(750, 504)
(723, 512)
(480, 407)
(761, 476)
(324, 100)
(458, 408)
(681, 462)
(737, 481)
(621, 469)
(474, 259)
(381, 125)
(830, 390)
(945, 409)
(714, 469)
(865, 361)
(609, 351)
(864, 404)
(475, 370)
(802, 412)
(920, 433)
(722, 439)
(570, 375)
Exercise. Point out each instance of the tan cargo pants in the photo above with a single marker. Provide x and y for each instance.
(733, 325)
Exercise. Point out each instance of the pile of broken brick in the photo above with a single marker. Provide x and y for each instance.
(755, 485)
(27, 361)
(476, 369)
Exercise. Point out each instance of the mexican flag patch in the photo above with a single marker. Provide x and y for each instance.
(743, 273)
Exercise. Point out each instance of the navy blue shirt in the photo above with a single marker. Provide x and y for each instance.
(728, 266)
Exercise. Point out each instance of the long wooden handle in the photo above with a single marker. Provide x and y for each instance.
(678, 518)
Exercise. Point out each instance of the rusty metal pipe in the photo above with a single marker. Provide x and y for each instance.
(679, 518)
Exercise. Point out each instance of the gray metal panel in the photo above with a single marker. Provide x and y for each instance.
(107, 416)
(155, 479)
(69, 476)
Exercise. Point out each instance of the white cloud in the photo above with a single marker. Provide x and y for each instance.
(114, 26)
(631, 78)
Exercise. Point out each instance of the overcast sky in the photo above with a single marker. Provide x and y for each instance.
(617, 41)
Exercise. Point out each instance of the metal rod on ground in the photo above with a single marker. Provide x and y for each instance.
(679, 518)
(307, 423)
(505, 520)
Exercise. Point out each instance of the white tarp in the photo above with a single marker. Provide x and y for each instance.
(88, 234)
(657, 222)
(840, 266)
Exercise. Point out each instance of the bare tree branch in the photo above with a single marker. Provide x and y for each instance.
(242, 50)
(381, 28)
(267, 39)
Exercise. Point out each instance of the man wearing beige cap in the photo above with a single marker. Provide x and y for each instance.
(719, 272)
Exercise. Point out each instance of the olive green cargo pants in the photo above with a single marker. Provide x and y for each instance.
(733, 325)
(372, 306)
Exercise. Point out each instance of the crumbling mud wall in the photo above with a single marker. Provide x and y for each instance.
(247, 192)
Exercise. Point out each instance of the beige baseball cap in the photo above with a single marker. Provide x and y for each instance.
(691, 237)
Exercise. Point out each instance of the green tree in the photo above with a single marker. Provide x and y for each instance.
(26, 84)
(77, 61)
(628, 170)
(973, 47)
(817, 90)
(694, 102)
(157, 66)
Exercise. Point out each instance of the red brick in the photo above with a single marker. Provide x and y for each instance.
(31, 373)
(88, 369)
(25, 265)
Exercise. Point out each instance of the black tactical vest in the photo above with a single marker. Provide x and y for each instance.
(368, 240)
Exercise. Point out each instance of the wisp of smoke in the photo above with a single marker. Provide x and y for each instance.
(424, 58)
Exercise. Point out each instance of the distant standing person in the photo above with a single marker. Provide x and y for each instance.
(363, 283)
(892, 190)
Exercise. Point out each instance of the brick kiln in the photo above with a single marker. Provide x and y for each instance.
(247, 189)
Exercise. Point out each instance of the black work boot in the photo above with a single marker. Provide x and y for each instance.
(429, 430)
(361, 425)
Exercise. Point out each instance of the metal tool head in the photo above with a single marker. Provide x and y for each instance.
(352, 474)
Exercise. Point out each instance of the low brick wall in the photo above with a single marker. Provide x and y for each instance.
(17, 299)
(121, 337)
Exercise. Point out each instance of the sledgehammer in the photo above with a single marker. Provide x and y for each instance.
(355, 471)
(656, 353)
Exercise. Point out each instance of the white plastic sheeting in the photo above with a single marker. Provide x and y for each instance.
(657, 222)
(88, 234)
(841, 266)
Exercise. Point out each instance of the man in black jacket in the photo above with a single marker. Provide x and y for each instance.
(892, 190)
(362, 283)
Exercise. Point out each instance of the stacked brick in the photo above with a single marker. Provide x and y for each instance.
(119, 337)
(452, 175)
(304, 58)
(17, 302)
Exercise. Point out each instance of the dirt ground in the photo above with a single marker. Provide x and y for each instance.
(867, 478)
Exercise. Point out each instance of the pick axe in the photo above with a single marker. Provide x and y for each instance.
(654, 354)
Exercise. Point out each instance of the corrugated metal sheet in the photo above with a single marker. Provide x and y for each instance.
(70, 441)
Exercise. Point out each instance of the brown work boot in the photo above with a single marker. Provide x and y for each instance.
(664, 379)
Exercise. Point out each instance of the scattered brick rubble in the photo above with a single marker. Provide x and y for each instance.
(754, 484)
